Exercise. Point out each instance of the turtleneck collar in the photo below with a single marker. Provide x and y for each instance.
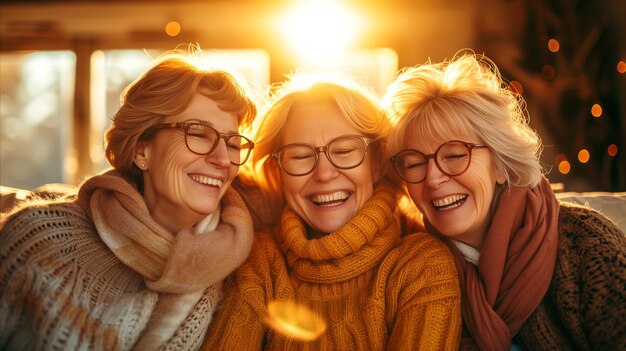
(354, 249)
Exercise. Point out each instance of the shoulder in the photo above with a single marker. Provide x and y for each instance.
(422, 254)
(585, 230)
(264, 256)
(44, 218)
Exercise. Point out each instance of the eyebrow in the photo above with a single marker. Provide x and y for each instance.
(200, 121)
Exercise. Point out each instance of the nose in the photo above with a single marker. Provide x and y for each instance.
(219, 156)
(324, 170)
(434, 176)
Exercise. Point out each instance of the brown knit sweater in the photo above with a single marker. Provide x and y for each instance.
(585, 306)
(374, 290)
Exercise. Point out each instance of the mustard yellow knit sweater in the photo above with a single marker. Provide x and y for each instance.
(374, 290)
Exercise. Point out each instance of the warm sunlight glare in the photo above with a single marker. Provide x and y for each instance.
(294, 320)
(319, 29)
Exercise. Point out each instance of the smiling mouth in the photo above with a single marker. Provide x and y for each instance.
(449, 202)
(207, 180)
(327, 200)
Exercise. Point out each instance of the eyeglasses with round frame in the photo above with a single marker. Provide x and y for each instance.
(202, 139)
(452, 158)
(344, 152)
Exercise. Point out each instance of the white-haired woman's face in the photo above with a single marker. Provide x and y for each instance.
(328, 196)
(456, 206)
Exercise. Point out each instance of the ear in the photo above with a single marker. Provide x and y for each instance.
(141, 155)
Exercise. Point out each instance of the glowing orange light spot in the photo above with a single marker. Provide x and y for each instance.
(172, 28)
(596, 110)
(621, 67)
(553, 45)
(612, 150)
(548, 72)
(583, 156)
(516, 87)
(294, 320)
(564, 167)
(560, 158)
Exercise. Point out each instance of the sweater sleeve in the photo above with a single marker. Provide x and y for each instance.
(424, 295)
(240, 323)
(594, 245)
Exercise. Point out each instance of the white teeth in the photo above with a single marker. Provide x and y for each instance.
(206, 180)
(340, 195)
(455, 200)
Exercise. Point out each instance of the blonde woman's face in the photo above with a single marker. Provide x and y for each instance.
(456, 206)
(328, 197)
(181, 187)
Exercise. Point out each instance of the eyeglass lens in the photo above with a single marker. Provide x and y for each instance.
(343, 152)
(202, 139)
(452, 158)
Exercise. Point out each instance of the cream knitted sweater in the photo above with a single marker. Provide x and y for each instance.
(63, 288)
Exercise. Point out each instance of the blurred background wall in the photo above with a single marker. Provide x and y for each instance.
(63, 65)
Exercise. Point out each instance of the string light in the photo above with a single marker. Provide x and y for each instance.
(553, 45)
(583, 156)
(596, 110)
(564, 167)
(621, 67)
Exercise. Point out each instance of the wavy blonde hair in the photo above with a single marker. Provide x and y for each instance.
(357, 104)
(165, 90)
(465, 95)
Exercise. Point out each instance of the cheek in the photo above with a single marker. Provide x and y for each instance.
(170, 160)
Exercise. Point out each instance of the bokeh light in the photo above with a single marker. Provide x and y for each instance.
(516, 87)
(564, 167)
(612, 150)
(553, 45)
(621, 67)
(172, 28)
(596, 110)
(583, 156)
(294, 320)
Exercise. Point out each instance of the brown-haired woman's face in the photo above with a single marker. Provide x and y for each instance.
(182, 187)
(327, 197)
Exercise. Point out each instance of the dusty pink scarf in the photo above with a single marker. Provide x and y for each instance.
(182, 263)
(514, 270)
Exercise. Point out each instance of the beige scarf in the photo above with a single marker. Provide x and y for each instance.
(180, 267)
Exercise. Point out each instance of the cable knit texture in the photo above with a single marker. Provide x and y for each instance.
(374, 290)
(99, 273)
(585, 306)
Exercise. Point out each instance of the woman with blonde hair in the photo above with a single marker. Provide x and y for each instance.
(534, 273)
(334, 273)
(136, 258)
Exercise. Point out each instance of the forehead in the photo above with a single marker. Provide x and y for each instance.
(315, 123)
(429, 136)
(204, 109)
